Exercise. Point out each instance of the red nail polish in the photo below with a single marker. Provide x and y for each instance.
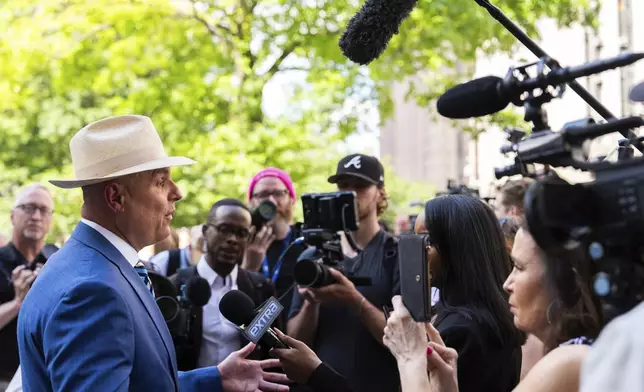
(429, 350)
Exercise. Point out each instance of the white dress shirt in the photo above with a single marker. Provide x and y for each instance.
(130, 254)
(219, 336)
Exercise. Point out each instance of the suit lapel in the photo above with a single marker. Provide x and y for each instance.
(95, 240)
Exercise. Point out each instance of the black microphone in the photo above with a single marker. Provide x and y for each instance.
(491, 94)
(239, 309)
(371, 29)
(476, 98)
(197, 291)
(637, 93)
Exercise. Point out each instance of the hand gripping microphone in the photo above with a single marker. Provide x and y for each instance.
(240, 310)
(371, 29)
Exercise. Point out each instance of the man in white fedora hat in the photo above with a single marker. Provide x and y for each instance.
(90, 321)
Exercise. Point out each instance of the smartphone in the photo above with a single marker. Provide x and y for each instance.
(415, 285)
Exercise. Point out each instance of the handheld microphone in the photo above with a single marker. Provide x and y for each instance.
(491, 94)
(371, 29)
(240, 310)
(197, 291)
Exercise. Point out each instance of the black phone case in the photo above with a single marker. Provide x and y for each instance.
(414, 276)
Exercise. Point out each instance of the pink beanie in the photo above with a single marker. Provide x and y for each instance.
(272, 172)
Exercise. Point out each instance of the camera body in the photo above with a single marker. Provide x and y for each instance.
(603, 217)
(177, 304)
(325, 215)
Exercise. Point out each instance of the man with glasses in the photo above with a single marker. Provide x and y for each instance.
(267, 248)
(20, 262)
(226, 234)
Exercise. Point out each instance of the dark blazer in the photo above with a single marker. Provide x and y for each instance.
(89, 323)
(484, 363)
(253, 284)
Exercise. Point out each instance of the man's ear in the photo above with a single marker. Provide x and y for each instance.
(114, 196)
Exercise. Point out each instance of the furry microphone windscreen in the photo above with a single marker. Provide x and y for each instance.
(371, 29)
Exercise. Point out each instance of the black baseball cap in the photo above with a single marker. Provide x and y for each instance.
(361, 166)
(637, 93)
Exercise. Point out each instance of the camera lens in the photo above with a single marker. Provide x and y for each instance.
(307, 273)
(169, 308)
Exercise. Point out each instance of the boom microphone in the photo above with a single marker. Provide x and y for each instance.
(637, 93)
(476, 98)
(240, 310)
(371, 29)
(492, 94)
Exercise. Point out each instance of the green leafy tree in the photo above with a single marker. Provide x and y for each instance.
(201, 70)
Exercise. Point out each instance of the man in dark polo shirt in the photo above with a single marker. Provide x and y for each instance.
(31, 218)
(343, 323)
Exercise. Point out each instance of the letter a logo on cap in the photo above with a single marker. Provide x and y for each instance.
(355, 162)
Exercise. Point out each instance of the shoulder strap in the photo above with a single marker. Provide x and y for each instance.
(174, 261)
(390, 253)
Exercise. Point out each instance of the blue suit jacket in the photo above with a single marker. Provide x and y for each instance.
(90, 324)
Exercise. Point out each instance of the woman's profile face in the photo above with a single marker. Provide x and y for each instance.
(433, 258)
(526, 285)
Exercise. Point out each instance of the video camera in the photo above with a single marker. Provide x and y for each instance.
(177, 310)
(456, 189)
(604, 217)
(325, 215)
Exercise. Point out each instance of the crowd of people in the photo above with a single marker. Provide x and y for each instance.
(507, 314)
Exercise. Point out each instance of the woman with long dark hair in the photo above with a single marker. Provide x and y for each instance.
(469, 262)
(550, 297)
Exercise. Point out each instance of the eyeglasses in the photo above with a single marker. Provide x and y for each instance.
(32, 208)
(227, 230)
(277, 194)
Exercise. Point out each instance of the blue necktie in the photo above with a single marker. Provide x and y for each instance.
(143, 274)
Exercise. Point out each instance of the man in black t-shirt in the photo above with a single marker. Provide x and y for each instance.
(266, 251)
(31, 218)
(343, 323)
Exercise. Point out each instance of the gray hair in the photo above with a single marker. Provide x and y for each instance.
(29, 189)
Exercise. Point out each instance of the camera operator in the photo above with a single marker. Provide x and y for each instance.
(344, 323)
(616, 360)
(266, 251)
(509, 200)
(226, 234)
(20, 262)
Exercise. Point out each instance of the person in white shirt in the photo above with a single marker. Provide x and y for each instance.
(169, 261)
(616, 361)
(226, 235)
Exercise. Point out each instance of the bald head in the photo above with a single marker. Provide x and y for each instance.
(136, 207)
(29, 190)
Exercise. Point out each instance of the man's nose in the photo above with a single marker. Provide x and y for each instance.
(176, 193)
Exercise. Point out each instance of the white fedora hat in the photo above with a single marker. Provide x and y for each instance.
(115, 147)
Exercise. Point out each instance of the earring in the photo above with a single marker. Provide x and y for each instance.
(548, 311)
